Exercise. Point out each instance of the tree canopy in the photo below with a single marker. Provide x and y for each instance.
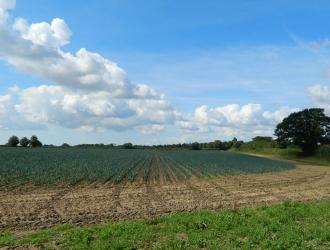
(24, 142)
(195, 146)
(34, 142)
(13, 141)
(128, 145)
(306, 129)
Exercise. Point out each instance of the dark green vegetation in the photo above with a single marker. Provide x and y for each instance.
(290, 225)
(305, 129)
(74, 165)
(13, 141)
(24, 142)
(269, 147)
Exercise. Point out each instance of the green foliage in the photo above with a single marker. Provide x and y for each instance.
(24, 142)
(13, 141)
(305, 129)
(323, 151)
(98, 145)
(34, 142)
(290, 225)
(320, 157)
(128, 145)
(195, 146)
(258, 144)
(222, 145)
(217, 144)
(266, 139)
(236, 143)
(72, 165)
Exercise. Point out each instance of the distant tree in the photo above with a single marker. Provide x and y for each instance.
(24, 142)
(13, 141)
(236, 143)
(65, 145)
(34, 142)
(226, 145)
(128, 145)
(195, 146)
(262, 139)
(217, 144)
(305, 129)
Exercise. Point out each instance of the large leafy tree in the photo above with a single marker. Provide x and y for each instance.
(24, 142)
(306, 129)
(13, 141)
(34, 142)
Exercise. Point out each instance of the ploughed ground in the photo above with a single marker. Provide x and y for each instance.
(29, 207)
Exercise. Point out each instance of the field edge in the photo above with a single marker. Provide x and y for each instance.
(290, 224)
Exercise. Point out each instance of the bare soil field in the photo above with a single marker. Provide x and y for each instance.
(30, 207)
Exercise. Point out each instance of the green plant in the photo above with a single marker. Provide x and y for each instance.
(46, 166)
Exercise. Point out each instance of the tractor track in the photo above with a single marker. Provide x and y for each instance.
(29, 207)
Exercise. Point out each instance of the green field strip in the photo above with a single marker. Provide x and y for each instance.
(48, 166)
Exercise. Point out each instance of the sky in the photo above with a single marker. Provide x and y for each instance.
(155, 72)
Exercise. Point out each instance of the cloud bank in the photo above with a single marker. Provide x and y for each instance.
(86, 91)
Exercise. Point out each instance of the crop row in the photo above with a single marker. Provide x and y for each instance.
(55, 165)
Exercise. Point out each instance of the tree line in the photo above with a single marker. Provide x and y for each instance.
(307, 129)
(33, 142)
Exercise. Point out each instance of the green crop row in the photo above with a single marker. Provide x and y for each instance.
(44, 166)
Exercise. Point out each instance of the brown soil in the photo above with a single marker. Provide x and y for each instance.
(29, 208)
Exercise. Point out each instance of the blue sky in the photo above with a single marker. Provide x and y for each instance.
(213, 53)
(172, 26)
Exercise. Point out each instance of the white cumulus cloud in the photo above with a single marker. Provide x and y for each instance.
(7, 4)
(4, 101)
(88, 92)
(37, 49)
(320, 95)
(231, 120)
(55, 35)
(86, 111)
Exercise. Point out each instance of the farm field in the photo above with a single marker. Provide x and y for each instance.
(41, 188)
(29, 207)
(49, 166)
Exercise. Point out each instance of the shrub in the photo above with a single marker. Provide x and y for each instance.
(323, 151)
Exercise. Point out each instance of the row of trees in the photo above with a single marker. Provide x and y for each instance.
(307, 129)
(217, 144)
(14, 141)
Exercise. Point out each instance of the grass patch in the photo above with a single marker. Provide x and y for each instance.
(290, 225)
(319, 158)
